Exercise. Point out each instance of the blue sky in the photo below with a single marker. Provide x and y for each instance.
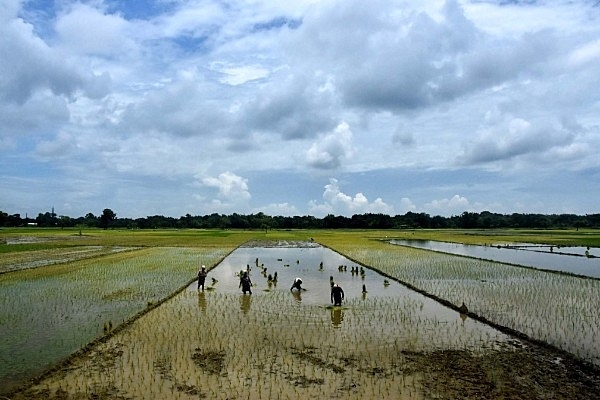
(172, 107)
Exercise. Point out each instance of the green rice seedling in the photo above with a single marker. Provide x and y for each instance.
(514, 297)
(383, 346)
(71, 304)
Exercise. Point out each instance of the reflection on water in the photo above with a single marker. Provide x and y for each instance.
(202, 301)
(245, 303)
(318, 267)
(572, 260)
(337, 316)
(297, 295)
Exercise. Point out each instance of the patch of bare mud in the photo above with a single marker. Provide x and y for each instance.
(212, 362)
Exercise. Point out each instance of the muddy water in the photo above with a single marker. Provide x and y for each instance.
(274, 343)
(375, 310)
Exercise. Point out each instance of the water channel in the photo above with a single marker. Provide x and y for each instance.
(565, 259)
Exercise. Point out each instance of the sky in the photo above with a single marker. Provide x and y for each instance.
(304, 107)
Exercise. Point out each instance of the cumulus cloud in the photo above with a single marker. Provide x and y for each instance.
(87, 30)
(513, 137)
(279, 209)
(158, 90)
(406, 205)
(177, 108)
(38, 114)
(330, 150)
(458, 204)
(35, 67)
(337, 202)
(455, 205)
(231, 187)
(296, 107)
(388, 60)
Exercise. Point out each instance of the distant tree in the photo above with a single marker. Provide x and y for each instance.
(14, 220)
(65, 221)
(107, 217)
(46, 219)
(91, 220)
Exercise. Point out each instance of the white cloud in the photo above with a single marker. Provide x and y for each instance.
(513, 137)
(231, 186)
(406, 205)
(586, 53)
(87, 30)
(158, 97)
(237, 75)
(337, 202)
(280, 209)
(329, 151)
(453, 206)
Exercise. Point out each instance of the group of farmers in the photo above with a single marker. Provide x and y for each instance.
(337, 293)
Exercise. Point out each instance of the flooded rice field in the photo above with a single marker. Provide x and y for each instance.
(40, 258)
(583, 261)
(50, 312)
(280, 344)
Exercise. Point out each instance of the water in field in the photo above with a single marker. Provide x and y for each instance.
(565, 259)
(318, 267)
(276, 343)
(50, 312)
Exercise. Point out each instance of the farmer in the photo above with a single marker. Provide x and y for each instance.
(337, 295)
(297, 284)
(245, 283)
(201, 277)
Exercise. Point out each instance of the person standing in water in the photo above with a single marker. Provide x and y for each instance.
(245, 283)
(201, 277)
(297, 284)
(337, 295)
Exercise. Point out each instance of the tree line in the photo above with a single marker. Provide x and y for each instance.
(467, 220)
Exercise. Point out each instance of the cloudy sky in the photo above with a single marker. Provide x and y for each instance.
(304, 107)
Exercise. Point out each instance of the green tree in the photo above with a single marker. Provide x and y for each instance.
(107, 217)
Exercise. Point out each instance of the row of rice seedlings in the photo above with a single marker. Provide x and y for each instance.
(51, 312)
(558, 309)
(204, 343)
(16, 261)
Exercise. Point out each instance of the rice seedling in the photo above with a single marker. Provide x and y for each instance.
(387, 343)
(279, 347)
(556, 309)
(51, 312)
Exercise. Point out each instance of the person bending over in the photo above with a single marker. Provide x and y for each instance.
(297, 284)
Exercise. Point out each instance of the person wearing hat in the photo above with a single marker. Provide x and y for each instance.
(201, 277)
(246, 283)
(297, 284)
(337, 295)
